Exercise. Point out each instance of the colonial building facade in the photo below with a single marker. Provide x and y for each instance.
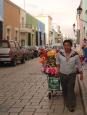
(47, 20)
(21, 26)
(82, 22)
(11, 21)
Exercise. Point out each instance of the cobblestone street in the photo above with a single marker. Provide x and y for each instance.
(23, 91)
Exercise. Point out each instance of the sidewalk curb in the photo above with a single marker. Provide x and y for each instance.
(83, 92)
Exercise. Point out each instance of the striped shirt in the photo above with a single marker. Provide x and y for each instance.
(68, 64)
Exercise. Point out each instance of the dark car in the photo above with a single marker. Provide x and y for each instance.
(35, 51)
(26, 52)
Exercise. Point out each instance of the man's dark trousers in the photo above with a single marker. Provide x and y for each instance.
(68, 84)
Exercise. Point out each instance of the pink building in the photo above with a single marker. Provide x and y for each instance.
(80, 26)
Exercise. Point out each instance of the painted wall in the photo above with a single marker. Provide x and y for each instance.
(85, 16)
(22, 18)
(41, 26)
(11, 20)
(80, 26)
(23, 31)
(31, 21)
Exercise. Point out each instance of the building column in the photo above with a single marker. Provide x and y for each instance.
(36, 38)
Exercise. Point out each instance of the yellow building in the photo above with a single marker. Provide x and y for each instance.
(47, 20)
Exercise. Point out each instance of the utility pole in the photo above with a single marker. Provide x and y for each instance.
(24, 5)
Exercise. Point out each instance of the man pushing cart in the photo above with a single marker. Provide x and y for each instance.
(50, 69)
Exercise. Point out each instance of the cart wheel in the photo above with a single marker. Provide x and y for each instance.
(49, 95)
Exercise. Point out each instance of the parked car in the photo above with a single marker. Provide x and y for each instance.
(26, 52)
(35, 51)
(10, 52)
(20, 52)
(31, 52)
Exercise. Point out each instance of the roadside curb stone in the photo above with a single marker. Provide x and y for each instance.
(83, 89)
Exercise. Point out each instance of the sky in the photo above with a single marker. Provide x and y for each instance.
(63, 12)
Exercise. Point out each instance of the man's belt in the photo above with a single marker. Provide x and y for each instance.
(67, 74)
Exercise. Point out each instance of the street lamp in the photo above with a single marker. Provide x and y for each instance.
(79, 11)
(74, 27)
(74, 30)
(76, 33)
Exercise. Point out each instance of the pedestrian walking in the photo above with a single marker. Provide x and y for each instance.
(67, 62)
(84, 48)
(84, 43)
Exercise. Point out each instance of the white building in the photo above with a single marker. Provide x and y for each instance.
(57, 35)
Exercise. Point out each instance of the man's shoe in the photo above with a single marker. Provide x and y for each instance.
(71, 109)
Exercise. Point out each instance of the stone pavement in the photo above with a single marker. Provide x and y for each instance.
(83, 87)
(24, 90)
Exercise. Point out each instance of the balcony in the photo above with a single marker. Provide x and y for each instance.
(25, 28)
